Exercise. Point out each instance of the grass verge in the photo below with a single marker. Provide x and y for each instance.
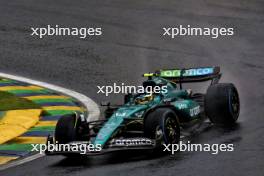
(9, 101)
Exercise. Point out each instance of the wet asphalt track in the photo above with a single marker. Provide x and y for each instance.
(132, 44)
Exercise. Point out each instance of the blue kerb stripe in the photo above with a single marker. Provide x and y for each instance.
(13, 84)
(77, 103)
(13, 153)
(50, 118)
(38, 133)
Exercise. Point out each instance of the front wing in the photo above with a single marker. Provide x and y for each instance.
(83, 148)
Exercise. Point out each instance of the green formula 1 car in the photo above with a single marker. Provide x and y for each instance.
(149, 120)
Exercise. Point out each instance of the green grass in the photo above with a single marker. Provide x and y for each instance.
(9, 101)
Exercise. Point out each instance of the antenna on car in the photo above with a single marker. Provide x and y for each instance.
(180, 78)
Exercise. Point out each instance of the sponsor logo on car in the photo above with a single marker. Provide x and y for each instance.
(189, 72)
(131, 142)
(195, 111)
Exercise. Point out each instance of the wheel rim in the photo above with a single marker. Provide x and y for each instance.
(158, 133)
(234, 103)
(170, 130)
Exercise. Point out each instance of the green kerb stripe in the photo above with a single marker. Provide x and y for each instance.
(43, 128)
(16, 147)
(52, 100)
(7, 81)
(29, 91)
(58, 112)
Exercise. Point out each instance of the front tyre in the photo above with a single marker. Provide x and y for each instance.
(65, 130)
(162, 125)
(222, 104)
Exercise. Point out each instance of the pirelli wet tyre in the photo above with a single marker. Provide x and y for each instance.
(65, 130)
(222, 104)
(162, 125)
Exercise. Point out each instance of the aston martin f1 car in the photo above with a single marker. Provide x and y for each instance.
(149, 120)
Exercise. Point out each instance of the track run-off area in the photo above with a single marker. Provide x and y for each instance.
(32, 126)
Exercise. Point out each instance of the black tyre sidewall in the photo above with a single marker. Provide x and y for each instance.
(65, 130)
(157, 119)
(218, 102)
(232, 91)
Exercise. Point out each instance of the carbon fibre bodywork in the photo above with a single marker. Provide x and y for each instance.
(123, 129)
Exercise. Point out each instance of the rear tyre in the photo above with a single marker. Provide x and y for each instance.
(162, 125)
(222, 104)
(65, 130)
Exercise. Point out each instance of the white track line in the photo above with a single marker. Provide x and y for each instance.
(21, 161)
(90, 105)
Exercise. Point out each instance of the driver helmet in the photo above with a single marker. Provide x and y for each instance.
(144, 99)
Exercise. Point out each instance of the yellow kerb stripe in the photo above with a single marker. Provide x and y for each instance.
(72, 108)
(30, 140)
(6, 88)
(46, 97)
(46, 123)
(5, 159)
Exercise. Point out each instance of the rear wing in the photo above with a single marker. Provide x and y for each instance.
(189, 75)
